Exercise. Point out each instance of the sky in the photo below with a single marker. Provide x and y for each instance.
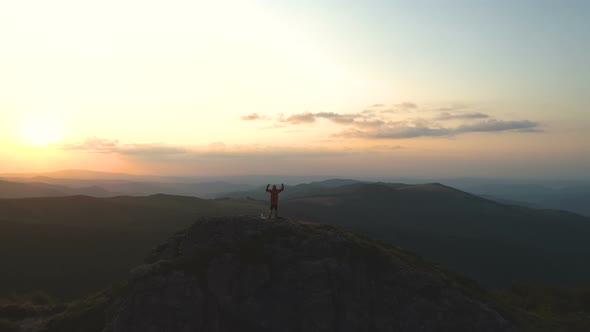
(347, 88)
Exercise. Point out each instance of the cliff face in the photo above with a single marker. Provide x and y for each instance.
(249, 274)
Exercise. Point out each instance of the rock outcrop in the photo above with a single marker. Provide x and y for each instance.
(250, 274)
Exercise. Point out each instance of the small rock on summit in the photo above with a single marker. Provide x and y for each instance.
(249, 274)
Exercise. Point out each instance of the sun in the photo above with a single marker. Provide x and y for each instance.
(41, 130)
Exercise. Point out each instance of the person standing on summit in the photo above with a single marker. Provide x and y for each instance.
(274, 199)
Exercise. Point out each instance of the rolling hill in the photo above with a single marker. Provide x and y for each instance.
(291, 191)
(114, 187)
(493, 243)
(12, 189)
(247, 274)
(69, 246)
(571, 197)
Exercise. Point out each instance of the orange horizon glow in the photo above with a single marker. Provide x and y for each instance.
(255, 86)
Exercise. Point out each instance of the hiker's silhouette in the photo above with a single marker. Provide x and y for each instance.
(274, 199)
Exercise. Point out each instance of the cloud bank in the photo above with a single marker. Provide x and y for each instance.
(215, 150)
(253, 116)
(100, 145)
(407, 120)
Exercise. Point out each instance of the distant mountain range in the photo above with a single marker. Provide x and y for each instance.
(11, 189)
(568, 195)
(40, 186)
(86, 174)
(572, 197)
(304, 189)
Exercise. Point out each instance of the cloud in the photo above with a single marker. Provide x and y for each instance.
(358, 119)
(306, 117)
(213, 151)
(496, 125)
(338, 118)
(149, 150)
(406, 131)
(403, 121)
(461, 116)
(101, 145)
(369, 113)
(251, 117)
(369, 123)
(414, 129)
(411, 132)
(93, 144)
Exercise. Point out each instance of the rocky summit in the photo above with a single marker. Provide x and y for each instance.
(251, 274)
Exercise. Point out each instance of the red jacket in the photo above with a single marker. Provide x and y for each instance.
(274, 194)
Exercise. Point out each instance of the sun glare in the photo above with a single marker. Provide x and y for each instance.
(41, 131)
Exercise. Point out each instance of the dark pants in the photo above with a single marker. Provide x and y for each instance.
(273, 207)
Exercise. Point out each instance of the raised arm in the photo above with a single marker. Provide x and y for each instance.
(282, 187)
(268, 185)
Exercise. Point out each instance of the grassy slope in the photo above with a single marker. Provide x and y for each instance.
(532, 308)
(124, 212)
(494, 243)
(69, 246)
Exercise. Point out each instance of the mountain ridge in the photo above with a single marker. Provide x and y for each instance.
(245, 273)
(470, 234)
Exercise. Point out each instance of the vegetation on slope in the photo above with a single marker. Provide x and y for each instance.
(69, 246)
(493, 243)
